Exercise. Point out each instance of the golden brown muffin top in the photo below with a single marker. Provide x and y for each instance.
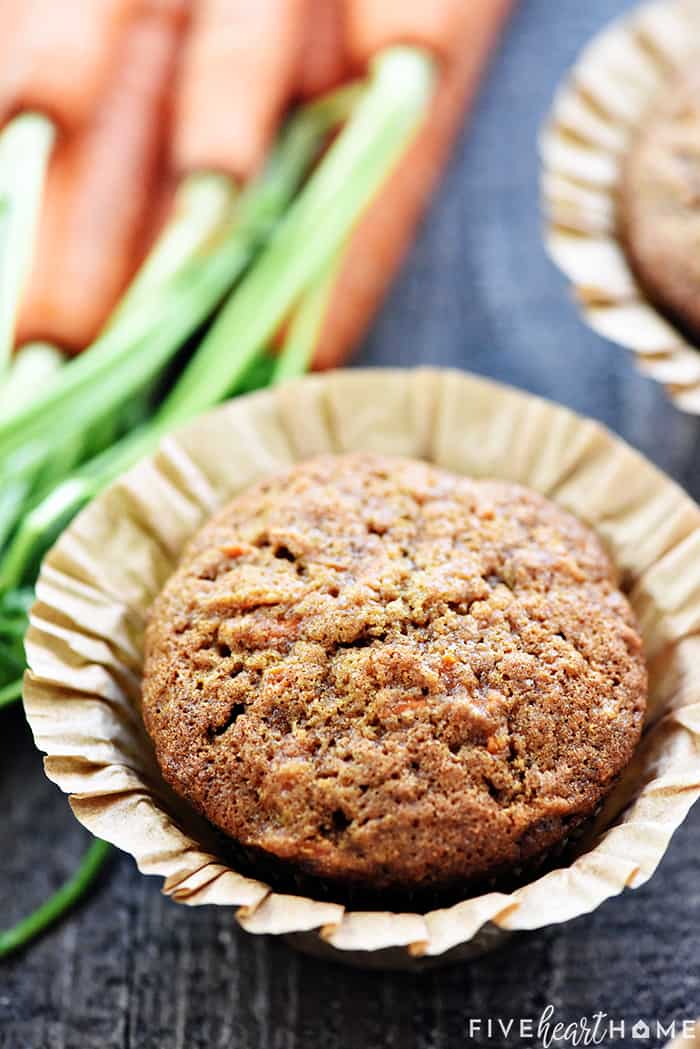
(393, 677)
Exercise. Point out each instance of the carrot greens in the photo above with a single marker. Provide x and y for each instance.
(304, 329)
(32, 366)
(74, 889)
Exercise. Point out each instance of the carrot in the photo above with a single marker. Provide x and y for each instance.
(239, 70)
(385, 232)
(10, 17)
(56, 58)
(324, 60)
(434, 25)
(163, 204)
(100, 189)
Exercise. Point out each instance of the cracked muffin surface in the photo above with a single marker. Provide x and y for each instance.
(387, 676)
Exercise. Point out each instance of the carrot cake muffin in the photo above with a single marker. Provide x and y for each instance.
(376, 673)
(659, 202)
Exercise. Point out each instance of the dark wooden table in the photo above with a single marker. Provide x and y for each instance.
(131, 970)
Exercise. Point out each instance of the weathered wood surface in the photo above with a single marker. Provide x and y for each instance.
(131, 970)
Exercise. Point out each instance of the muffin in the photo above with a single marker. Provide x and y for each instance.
(384, 677)
(659, 202)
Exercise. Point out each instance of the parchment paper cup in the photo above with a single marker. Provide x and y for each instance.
(85, 642)
(595, 113)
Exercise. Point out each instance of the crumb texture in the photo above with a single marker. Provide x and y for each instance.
(388, 676)
(659, 202)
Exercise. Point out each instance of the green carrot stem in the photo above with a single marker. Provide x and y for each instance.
(25, 147)
(9, 694)
(13, 495)
(58, 507)
(313, 231)
(33, 366)
(78, 382)
(305, 328)
(44, 522)
(203, 204)
(56, 906)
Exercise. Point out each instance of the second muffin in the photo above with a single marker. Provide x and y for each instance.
(659, 202)
(392, 678)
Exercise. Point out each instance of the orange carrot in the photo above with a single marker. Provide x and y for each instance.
(163, 197)
(386, 231)
(436, 25)
(100, 190)
(239, 70)
(58, 56)
(324, 61)
(10, 18)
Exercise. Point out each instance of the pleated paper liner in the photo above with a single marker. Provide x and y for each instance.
(85, 642)
(594, 115)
